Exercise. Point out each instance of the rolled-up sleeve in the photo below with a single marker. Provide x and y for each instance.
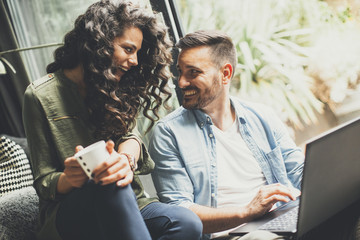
(292, 155)
(145, 163)
(170, 177)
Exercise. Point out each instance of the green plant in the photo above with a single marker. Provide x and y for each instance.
(273, 39)
(272, 55)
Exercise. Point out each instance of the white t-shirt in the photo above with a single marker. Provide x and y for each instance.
(239, 174)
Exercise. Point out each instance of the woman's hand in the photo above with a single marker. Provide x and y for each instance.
(114, 169)
(73, 175)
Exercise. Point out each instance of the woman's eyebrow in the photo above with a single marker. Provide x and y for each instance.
(132, 45)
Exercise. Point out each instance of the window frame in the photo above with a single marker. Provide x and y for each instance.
(172, 19)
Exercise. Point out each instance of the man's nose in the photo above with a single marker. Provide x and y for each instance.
(183, 82)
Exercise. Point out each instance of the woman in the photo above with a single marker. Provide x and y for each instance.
(113, 63)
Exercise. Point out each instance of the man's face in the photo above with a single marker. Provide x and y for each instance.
(200, 78)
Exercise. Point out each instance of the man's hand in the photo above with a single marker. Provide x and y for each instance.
(266, 198)
(220, 219)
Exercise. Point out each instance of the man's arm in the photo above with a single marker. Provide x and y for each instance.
(171, 180)
(219, 219)
(174, 186)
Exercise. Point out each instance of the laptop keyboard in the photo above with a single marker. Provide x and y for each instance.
(282, 222)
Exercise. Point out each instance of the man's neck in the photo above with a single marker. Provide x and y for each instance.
(222, 115)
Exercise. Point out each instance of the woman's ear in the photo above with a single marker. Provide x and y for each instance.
(227, 73)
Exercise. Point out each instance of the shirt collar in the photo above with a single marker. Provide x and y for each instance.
(202, 118)
(239, 110)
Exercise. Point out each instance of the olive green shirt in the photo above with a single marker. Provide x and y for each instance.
(56, 120)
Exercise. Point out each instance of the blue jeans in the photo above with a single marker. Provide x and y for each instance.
(171, 222)
(109, 212)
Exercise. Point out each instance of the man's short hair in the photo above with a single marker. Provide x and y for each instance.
(222, 49)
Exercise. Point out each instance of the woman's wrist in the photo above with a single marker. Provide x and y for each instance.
(131, 159)
(63, 186)
(130, 146)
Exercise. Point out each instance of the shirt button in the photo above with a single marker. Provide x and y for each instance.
(211, 135)
(213, 195)
(201, 124)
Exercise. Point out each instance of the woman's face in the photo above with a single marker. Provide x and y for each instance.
(126, 48)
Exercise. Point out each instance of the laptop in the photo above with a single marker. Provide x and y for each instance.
(330, 183)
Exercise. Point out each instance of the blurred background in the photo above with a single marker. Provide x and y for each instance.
(301, 57)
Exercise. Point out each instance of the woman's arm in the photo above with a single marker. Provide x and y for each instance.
(131, 147)
(42, 151)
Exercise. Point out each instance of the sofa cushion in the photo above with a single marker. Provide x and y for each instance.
(15, 170)
(19, 214)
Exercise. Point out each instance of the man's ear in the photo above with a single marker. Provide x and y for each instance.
(227, 73)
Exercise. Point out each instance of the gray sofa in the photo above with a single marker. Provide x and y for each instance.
(18, 214)
(18, 199)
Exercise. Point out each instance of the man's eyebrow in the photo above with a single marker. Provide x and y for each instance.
(187, 66)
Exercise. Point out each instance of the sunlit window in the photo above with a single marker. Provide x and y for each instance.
(43, 24)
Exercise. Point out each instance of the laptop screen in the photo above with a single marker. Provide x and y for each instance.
(331, 175)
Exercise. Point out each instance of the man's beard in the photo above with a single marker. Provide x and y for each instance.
(204, 98)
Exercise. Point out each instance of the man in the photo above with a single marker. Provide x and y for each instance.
(227, 160)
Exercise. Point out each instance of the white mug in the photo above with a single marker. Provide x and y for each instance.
(91, 156)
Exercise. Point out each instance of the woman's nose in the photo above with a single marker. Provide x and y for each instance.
(133, 60)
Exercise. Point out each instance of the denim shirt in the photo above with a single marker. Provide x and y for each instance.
(183, 147)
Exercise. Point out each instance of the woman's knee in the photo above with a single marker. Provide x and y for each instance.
(112, 192)
(115, 199)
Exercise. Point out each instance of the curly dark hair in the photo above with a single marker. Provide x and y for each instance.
(113, 105)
